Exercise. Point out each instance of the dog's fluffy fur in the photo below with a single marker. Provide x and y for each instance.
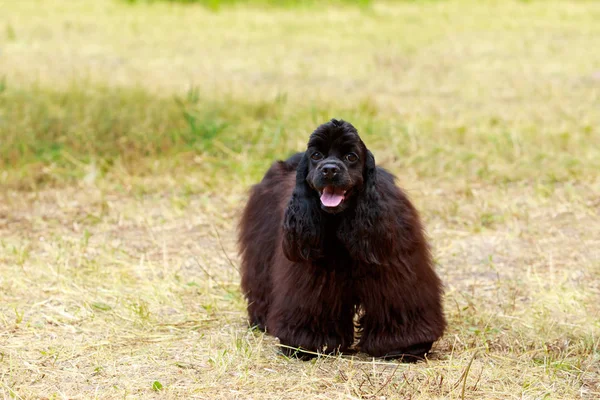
(327, 233)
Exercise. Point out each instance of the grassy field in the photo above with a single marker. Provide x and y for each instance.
(130, 133)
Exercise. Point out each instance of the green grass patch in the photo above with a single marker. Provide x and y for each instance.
(51, 136)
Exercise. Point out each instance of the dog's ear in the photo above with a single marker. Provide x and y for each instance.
(370, 174)
(366, 232)
(302, 239)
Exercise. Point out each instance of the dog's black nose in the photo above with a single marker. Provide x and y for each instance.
(330, 170)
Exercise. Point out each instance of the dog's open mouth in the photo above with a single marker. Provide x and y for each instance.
(332, 196)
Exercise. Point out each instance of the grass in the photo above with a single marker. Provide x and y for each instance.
(130, 133)
(217, 4)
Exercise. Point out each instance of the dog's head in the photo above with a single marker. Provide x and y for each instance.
(336, 173)
(337, 159)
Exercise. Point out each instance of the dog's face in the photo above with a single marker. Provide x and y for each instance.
(336, 157)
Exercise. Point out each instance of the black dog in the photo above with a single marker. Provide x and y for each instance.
(326, 235)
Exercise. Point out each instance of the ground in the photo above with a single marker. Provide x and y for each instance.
(129, 135)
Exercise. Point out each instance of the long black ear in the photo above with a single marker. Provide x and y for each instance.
(302, 233)
(364, 233)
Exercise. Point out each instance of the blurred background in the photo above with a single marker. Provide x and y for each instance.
(131, 130)
(497, 91)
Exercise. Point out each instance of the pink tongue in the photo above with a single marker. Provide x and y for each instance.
(330, 198)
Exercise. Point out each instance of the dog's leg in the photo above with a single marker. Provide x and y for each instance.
(400, 320)
(312, 310)
(395, 340)
(257, 313)
(308, 341)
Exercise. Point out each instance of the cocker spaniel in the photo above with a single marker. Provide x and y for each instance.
(327, 236)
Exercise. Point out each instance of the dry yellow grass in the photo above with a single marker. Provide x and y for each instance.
(126, 285)
(104, 294)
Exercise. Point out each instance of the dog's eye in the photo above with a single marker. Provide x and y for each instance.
(317, 156)
(351, 157)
